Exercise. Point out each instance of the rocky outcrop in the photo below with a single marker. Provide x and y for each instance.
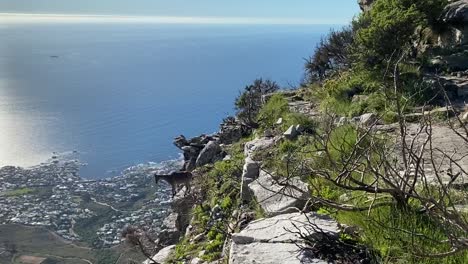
(456, 87)
(211, 153)
(367, 119)
(258, 144)
(365, 5)
(169, 234)
(279, 196)
(250, 172)
(232, 130)
(199, 151)
(456, 13)
(206, 149)
(306, 108)
(272, 241)
(175, 225)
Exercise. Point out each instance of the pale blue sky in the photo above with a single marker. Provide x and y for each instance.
(320, 11)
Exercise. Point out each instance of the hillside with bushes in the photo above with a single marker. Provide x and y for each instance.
(365, 162)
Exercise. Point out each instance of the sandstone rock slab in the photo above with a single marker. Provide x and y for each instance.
(266, 253)
(270, 240)
(367, 119)
(277, 199)
(279, 229)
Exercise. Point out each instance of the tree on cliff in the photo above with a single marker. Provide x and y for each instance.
(249, 102)
(331, 55)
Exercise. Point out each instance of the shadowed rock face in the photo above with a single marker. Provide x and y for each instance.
(456, 14)
(365, 4)
(199, 151)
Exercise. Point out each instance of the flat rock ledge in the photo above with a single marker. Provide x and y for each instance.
(257, 145)
(276, 199)
(272, 241)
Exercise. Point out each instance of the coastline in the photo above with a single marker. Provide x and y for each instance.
(65, 198)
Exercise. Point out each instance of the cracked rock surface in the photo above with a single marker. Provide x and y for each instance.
(276, 199)
(272, 240)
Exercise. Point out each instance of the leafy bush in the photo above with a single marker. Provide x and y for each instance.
(332, 54)
(391, 28)
(380, 230)
(276, 107)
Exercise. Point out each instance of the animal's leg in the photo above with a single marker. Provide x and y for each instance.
(174, 190)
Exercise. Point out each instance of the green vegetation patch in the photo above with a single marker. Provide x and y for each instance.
(19, 192)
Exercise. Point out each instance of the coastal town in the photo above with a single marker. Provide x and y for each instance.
(53, 195)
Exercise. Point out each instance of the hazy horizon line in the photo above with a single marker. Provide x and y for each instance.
(98, 18)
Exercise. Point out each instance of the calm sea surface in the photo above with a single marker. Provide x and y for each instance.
(117, 94)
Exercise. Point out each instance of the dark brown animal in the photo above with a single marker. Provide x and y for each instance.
(175, 179)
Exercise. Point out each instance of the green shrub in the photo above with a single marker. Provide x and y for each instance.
(391, 27)
(249, 102)
(306, 123)
(275, 108)
(382, 229)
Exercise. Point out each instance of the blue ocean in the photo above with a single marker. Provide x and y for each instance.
(115, 95)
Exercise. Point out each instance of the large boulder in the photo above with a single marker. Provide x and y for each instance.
(180, 141)
(456, 15)
(272, 240)
(232, 130)
(283, 228)
(278, 196)
(211, 153)
(182, 204)
(162, 255)
(268, 253)
(368, 119)
(199, 150)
